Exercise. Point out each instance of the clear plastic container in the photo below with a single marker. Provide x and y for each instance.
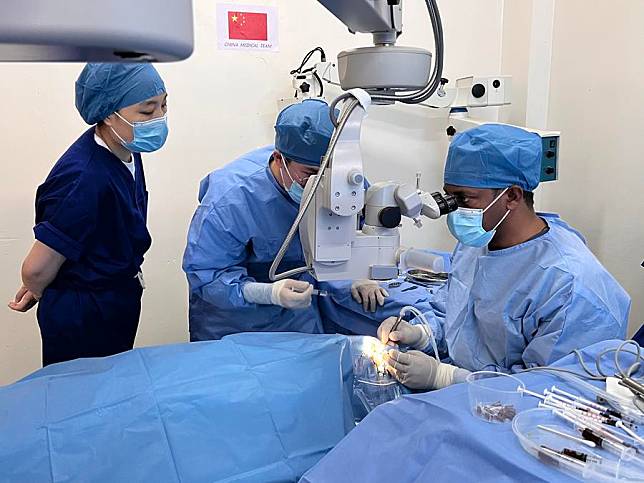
(373, 393)
(601, 464)
(371, 387)
(494, 397)
(412, 258)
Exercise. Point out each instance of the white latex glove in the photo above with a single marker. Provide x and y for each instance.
(292, 294)
(417, 370)
(406, 333)
(369, 293)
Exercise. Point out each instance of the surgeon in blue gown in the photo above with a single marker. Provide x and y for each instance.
(84, 269)
(524, 290)
(245, 211)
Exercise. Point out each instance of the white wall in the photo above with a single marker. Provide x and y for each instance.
(596, 100)
(517, 25)
(221, 104)
(583, 77)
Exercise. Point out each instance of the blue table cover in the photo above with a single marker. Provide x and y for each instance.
(260, 407)
(433, 437)
(342, 315)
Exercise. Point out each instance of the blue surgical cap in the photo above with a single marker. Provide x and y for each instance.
(494, 156)
(303, 131)
(102, 89)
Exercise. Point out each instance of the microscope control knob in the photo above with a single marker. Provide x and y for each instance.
(390, 217)
(356, 177)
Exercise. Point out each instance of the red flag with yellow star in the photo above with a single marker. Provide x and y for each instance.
(247, 26)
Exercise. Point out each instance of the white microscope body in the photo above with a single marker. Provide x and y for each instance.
(336, 246)
(347, 231)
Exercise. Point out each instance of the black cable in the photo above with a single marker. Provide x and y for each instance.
(317, 78)
(437, 73)
(434, 81)
(336, 101)
(301, 70)
(307, 57)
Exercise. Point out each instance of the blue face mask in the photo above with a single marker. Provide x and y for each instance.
(148, 135)
(295, 191)
(466, 225)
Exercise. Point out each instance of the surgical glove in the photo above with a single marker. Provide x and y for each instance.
(415, 336)
(417, 370)
(292, 294)
(368, 293)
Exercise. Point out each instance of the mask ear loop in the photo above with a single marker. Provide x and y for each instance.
(506, 213)
(287, 171)
(293, 180)
(496, 199)
(123, 119)
(502, 220)
(123, 141)
(282, 168)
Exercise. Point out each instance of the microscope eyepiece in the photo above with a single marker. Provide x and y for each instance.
(446, 203)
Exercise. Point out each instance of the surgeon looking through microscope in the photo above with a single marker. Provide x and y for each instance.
(524, 290)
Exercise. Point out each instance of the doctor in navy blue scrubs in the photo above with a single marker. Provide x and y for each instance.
(84, 269)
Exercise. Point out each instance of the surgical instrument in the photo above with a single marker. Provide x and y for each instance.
(554, 404)
(395, 326)
(600, 437)
(319, 293)
(587, 402)
(555, 456)
(571, 437)
(409, 289)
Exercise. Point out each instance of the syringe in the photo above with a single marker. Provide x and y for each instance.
(315, 291)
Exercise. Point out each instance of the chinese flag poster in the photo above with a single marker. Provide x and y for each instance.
(247, 27)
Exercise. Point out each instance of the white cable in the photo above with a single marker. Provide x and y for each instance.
(601, 375)
(425, 325)
(273, 275)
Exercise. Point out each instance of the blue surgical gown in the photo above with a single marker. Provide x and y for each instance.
(93, 212)
(526, 305)
(241, 221)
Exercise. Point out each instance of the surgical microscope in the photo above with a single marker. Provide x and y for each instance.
(337, 246)
(351, 232)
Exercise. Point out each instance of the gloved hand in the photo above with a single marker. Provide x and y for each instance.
(292, 294)
(369, 293)
(406, 333)
(417, 370)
